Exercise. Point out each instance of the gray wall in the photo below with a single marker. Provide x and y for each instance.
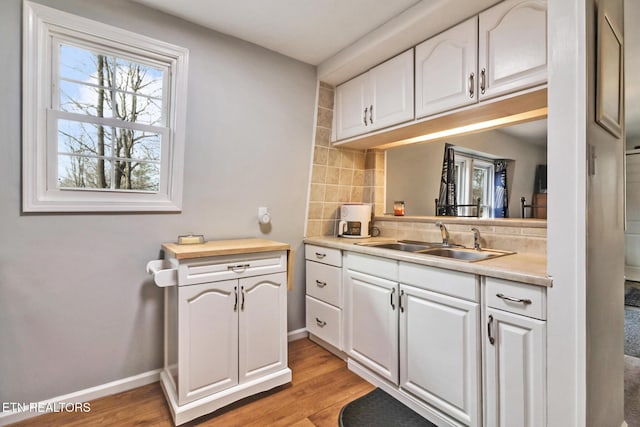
(413, 171)
(76, 307)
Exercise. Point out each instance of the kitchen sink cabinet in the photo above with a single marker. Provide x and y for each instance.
(225, 323)
(512, 43)
(515, 355)
(445, 70)
(372, 323)
(381, 97)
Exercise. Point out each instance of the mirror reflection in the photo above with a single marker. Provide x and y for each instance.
(486, 174)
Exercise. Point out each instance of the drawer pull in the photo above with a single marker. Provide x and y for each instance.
(320, 284)
(512, 299)
(492, 340)
(238, 268)
(242, 303)
(235, 304)
(320, 255)
(321, 323)
(393, 291)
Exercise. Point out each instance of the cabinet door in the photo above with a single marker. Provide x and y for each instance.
(372, 323)
(263, 325)
(440, 352)
(512, 47)
(352, 107)
(515, 370)
(391, 85)
(208, 339)
(446, 76)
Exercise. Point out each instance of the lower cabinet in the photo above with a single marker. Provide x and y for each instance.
(515, 356)
(439, 352)
(416, 331)
(230, 332)
(372, 323)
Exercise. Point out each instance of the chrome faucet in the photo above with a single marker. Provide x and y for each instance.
(476, 239)
(444, 232)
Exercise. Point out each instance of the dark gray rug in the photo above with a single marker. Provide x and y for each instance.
(632, 332)
(632, 391)
(379, 409)
(632, 298)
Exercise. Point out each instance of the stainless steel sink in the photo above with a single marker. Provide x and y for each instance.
(398, 246)
(457, 252)
(463, 254)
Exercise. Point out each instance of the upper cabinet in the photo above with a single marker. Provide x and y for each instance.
(381, 97)
(512, 47)
(500, 52)
(446, 75)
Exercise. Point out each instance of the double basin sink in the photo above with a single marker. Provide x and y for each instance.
(451, 251)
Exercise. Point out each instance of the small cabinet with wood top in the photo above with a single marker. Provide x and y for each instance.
(225, 323)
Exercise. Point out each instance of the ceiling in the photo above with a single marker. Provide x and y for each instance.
(308, 30)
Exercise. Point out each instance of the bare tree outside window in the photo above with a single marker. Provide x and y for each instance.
(108, 142)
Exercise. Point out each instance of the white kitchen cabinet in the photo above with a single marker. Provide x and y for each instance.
(514, 358)
(512, 47)
(372, 323)
(225, 323)
(324, 296)
(445, 70)
(379, 98)
(440, 350)
(207, 339)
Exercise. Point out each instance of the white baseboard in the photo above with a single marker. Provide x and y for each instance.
(81, 396)
(298, 334)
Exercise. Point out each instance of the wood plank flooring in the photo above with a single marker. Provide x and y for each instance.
(321, 386)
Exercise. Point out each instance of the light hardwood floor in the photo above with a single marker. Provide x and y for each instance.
(321, 386)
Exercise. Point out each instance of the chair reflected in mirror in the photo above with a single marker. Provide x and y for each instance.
(537, 209)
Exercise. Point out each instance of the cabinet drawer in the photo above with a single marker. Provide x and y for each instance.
(324, 321)
(518, 298)
(373, 265)
(324, 255)
(324, 282)
(231, 267)
(447, 282)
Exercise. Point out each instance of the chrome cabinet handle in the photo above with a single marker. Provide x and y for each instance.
(512, 299)
(483, 80)
(365, 115)
(320, 284)
(400, 302)
(393, 291)
(239, 268)
(235, 304)
(320, 255)
(242, 303)
(472, 79)
(371, 114)
(321, 323)
(492, 340)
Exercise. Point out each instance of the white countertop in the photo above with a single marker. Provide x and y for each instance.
(519, 267)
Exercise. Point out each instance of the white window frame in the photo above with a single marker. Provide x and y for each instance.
(42, 26)
(466, 163)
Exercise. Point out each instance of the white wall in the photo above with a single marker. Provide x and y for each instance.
(413, 171)
(76, 307)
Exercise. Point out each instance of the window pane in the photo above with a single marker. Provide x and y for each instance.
(83, 172)
(480, 184)
(147, 146)
(79, 64)
(135, 77)
(137, 176)
(83, 138)
(83, 99)
(138, 109)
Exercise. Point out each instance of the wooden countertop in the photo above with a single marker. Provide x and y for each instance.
(223, 247)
